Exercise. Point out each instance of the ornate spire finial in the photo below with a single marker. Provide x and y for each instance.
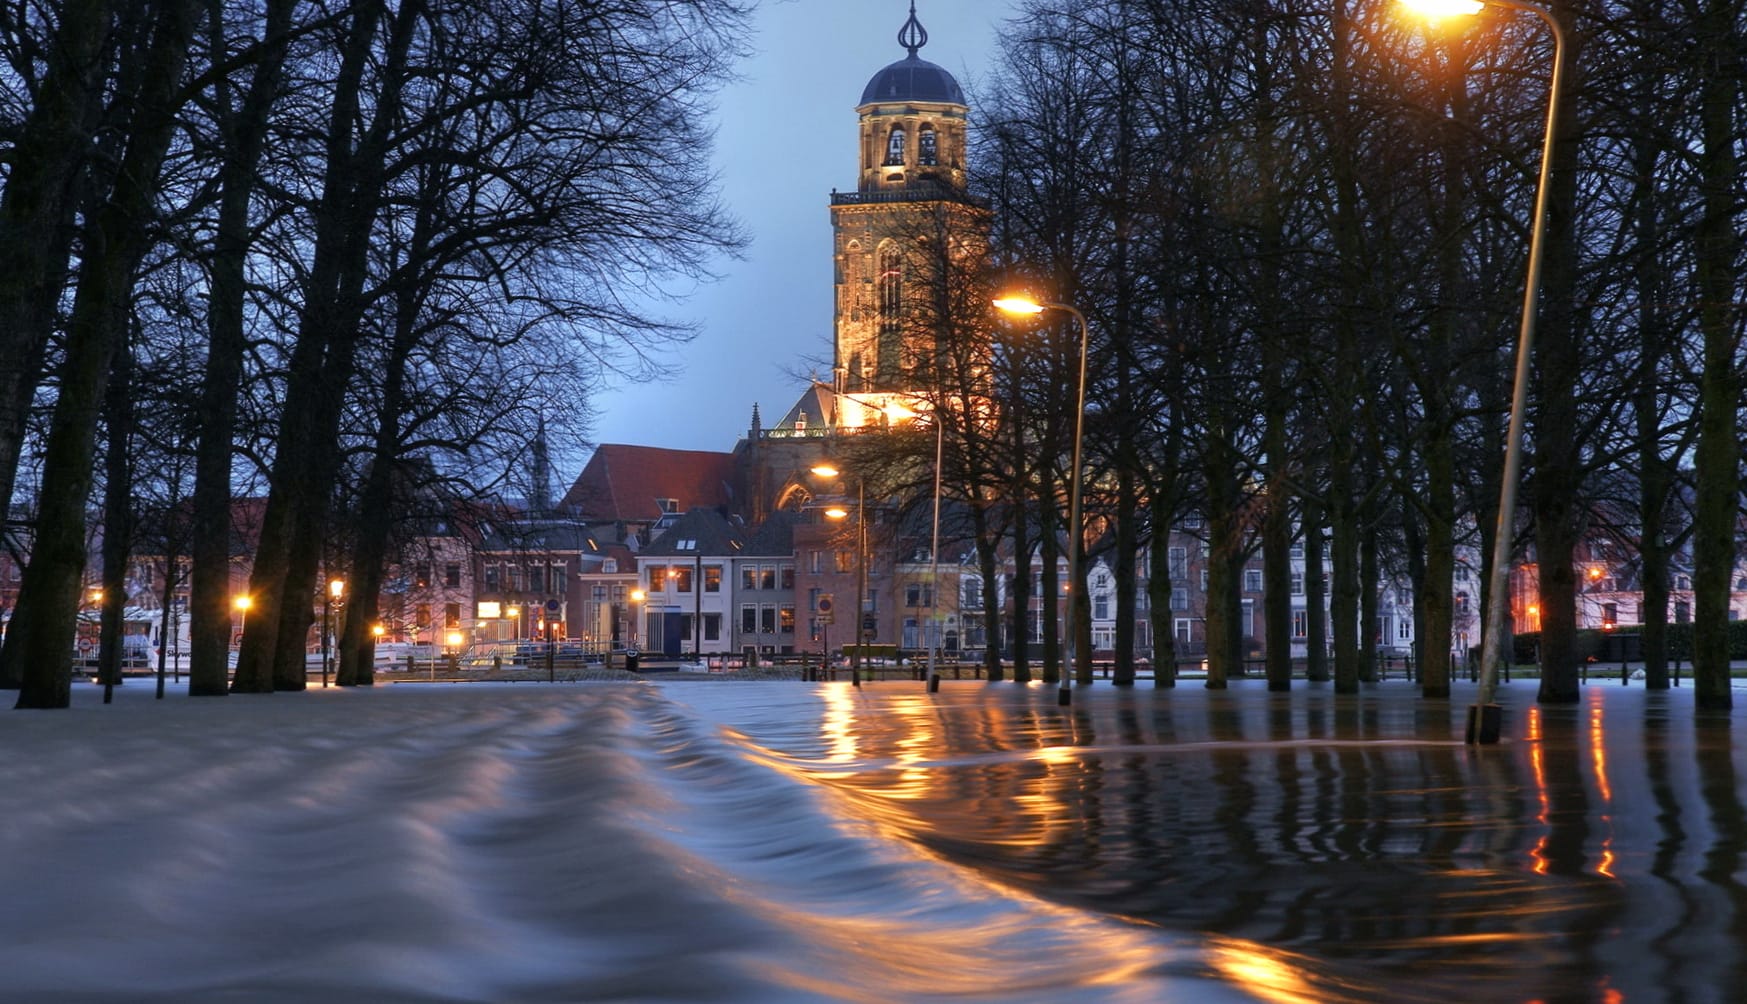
(912, 35)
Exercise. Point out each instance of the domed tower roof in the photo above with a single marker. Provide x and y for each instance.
(912, 78)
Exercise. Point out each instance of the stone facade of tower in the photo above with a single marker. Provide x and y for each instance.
(909, 206)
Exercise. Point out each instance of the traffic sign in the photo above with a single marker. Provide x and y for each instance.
(826, 609)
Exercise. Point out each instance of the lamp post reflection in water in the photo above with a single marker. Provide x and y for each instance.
(1484, 718)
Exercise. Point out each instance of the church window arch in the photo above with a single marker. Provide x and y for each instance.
(891, 287)
(927, 147)
(895, 147)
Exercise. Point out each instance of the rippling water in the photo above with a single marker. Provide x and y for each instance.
(798, 842)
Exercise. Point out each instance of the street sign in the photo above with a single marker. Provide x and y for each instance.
(551, 606)
(826, 609)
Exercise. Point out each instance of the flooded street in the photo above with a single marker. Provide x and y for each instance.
(1348, 846)
(779, 841)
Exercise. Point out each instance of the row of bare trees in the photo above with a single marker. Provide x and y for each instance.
(362, 247)
(1299, 234)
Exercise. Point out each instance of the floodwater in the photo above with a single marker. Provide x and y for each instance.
(780, 841)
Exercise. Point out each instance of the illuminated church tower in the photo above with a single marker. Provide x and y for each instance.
(911, 201)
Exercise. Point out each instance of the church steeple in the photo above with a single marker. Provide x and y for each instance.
(889, 232)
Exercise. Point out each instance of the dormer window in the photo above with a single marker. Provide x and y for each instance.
(895, 148)
(668, 505)
(927, 150)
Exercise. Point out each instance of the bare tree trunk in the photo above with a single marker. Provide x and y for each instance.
(243, 134)
(118, 522)
(116, 237)
(1717, 245)
(1315, 595)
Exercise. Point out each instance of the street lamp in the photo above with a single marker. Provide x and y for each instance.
(242, 604)
(336, 590)
(1485, 717)
(637, 598)
(1024, 305)
(838, 512)
(934, 561)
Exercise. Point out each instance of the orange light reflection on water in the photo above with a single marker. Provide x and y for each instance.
(1598, 758)
(1273, 975)
(1544, 814)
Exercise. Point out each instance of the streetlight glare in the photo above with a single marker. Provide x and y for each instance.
(337, 588)
(825, 470)
(1436, 9)
(1018, 305)
(243, 602)
(837, 512)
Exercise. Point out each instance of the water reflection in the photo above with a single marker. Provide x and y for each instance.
(1331, 846)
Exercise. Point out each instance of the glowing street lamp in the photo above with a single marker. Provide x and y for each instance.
(838, 512)
(1486, 717)
(1024, 305)
(335, 593)
(242, 604)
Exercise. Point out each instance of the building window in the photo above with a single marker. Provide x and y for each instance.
(1682, 582)
(1298, 582)
(421, 575)
(657, 578)
(712, 578)
(515, 578)
(452, 575)
(748, 618)
(1461, 604)
(1252, 580)
(712, 627)
(895, 148)
(1204, 580)
(786, 618)
(767, 618)
(767, 576)
(560, 581)
(971, 594)
(818, 562)
(748, 576)
(1179, 598)
(682, 578)
(421, 615)
(451, 615)
(493, 575)
(1177, 567)
(1101, 606)
(845, 561)
(536, 578)
(787, 574)
(927, 147)
(1300, 624)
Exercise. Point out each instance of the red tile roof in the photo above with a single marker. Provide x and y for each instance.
(623, 482)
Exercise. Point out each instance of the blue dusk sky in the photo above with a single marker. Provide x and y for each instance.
(786, 138)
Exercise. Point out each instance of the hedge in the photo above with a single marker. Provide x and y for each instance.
(1592, 643)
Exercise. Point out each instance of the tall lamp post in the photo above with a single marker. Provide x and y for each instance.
(828, 471)
(336, 590)
(1024, 305)
(934, 561)
(1485, 716)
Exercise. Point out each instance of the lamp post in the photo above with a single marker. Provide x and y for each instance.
(1485, 716)
(1023, 305)
(336, 590)
(637, 598)
(828, 471)
(934, 562)
(242, 604)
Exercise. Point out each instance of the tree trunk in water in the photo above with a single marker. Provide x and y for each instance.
(1159, 592)
(1344, 559)
(1277, 550)
(1557, 466)
(1049, 596)
(1717, 246)
(118, 524)
(1370, 586)
(1315, 596)
(116, 236)
(1020, 636)
(244, 135)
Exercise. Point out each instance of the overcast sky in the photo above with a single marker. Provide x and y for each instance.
(787, 137)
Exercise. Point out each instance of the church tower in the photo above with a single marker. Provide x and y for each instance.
(911, 201)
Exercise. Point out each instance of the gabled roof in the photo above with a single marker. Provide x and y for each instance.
(698, 532)
(626, 483)
(775, 537)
